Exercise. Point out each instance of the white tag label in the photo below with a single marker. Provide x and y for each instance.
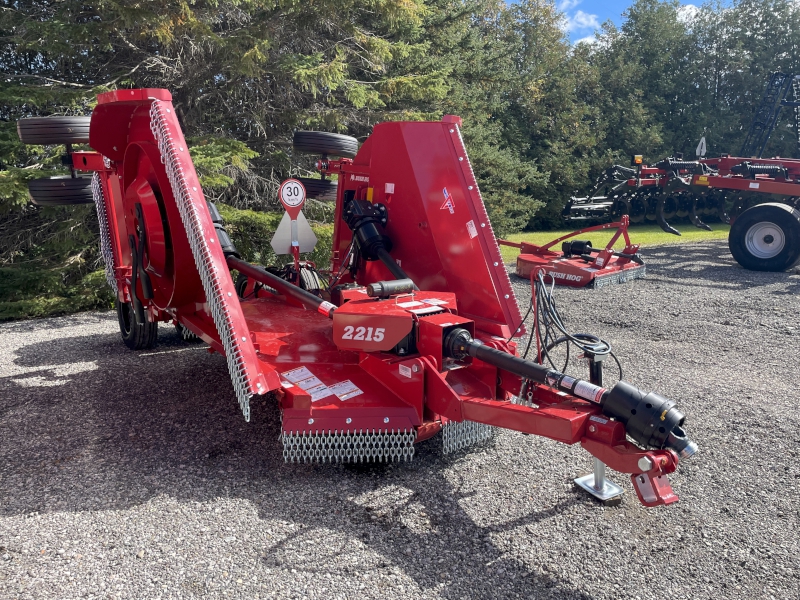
(318, 392)
(425, 311)
(473, 231)
(389, 188)
(308, 382)
(345, 390)
(600, 262)
(325, 308)
(754, 186)
(411, 304)
(405, 371)
(298, 374)
(435, 301)
(567, 381)
(588, 391)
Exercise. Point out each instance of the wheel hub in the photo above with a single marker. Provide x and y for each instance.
(765, 240)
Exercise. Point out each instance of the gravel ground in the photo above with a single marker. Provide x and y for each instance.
(134, 475)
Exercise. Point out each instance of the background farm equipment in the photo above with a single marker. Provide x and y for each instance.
(578, 264)
(763, 237)
(408, 334)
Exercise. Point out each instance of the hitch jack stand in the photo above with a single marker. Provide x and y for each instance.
(596, 484)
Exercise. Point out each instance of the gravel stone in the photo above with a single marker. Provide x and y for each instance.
(134, 475)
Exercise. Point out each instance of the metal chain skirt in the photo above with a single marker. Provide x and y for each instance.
(620, 277)
(209, 274)
(348, 447)
(457, 436)
(105, 235)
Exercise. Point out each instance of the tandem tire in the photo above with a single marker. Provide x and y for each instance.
(61, 191)
(319, 189)
(135, 335)
(766, 237)
(322, 142)
(41, 131)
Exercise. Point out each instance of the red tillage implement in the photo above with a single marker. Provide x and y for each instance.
(410, 339)
(580, 265)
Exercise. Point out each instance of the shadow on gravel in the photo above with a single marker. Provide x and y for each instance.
(130, 427)
(712, 263)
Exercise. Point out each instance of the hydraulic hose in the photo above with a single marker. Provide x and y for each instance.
(391, 264)
(651, 420)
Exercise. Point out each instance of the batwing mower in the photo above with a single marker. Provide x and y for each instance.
(412, 336)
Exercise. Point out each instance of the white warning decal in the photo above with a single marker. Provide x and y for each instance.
(473, 231)
(588, 391)
(345, 390)
(308, 382)
(405, 371)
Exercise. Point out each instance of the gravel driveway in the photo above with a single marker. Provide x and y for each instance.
(134, 475)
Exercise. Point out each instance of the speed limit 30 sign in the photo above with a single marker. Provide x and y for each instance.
(292, 195)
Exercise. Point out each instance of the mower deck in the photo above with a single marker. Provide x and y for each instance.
(323, 381)
(575, 272)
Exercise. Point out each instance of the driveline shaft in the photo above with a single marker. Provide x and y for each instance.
(650, 420)
(459, 344)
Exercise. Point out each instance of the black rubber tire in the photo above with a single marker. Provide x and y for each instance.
(321, 142)
(782, 217)
(61, 191)
(186, 334)
(41, 131)
(136, 336)
(319, 189)
(310, 281)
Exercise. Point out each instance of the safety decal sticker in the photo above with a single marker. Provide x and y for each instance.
(434, 301)
(308, 382)
(589, 391)
(473, 231)
(405, 371)
(345, 390)
(410, 304)
(449, 203)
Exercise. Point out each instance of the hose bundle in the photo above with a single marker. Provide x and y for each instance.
(550, 331)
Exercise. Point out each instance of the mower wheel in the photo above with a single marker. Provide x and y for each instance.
(187, 335)
(319, 189)
(54, 130)
(766, 237)
(137, 336)
(61, 191)
(322, 142)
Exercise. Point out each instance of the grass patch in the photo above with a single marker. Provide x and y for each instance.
(646, 235)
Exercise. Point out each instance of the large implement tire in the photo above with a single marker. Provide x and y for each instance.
(319, 189)
(54, 130)
(766, 237)
(61, 191)
(135, 335)
(321, 142)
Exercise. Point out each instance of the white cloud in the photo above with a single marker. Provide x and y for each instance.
(589, 39)
(565, 5)
(581, 21)
(687, 13)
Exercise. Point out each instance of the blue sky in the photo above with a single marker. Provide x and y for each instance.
(583, 17)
